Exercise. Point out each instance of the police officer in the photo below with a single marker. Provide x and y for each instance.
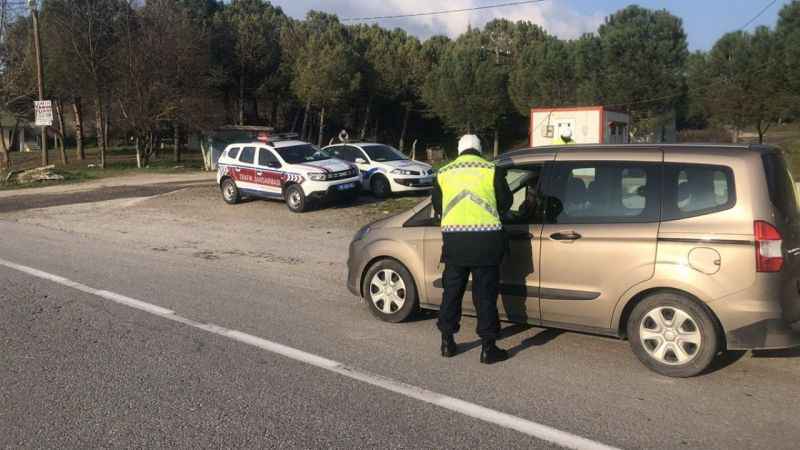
(471, 195)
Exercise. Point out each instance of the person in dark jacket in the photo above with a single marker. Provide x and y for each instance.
(470, 195)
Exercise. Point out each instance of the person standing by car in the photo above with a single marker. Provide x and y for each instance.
(470, 195)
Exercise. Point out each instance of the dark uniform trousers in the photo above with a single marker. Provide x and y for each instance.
(485, 286)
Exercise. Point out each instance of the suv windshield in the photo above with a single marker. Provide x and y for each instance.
(383, 153)
(298, 154)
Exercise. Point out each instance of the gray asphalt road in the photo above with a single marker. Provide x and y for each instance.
(86, 372)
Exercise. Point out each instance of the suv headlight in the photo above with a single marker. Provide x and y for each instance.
(315, 176)
(404, 172)
(361, 233)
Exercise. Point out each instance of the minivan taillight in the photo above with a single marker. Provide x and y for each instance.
(769, 247)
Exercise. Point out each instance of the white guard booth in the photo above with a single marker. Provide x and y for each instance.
(586, 125)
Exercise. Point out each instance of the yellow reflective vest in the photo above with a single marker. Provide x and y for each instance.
(468, 197)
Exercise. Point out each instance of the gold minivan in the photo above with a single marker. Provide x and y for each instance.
(685, 250)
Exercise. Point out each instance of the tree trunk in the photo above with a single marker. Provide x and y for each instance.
(241, 99)
(5, 155)
(496, 142)
(177, 143)
(205, 150)
(321, 126)
(366, 119)
(76, 110)
(273, 116)
(62, 129)
(404, 129)
(100, 133)
(296, 119)
(304, 129)
(138, 152)
(105, 129)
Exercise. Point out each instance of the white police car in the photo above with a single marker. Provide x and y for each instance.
(279, 167)
(383, 168)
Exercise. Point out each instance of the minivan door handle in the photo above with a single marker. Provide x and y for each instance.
(565, 236)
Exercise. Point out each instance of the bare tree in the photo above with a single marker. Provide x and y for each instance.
(89, 27)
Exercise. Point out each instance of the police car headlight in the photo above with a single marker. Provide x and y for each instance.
(402, 172)
(317, 176)
(360, 234)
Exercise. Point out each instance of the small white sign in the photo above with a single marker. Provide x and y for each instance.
(44, 113)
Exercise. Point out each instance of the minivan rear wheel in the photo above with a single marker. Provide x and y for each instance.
(389, 291)
(673, 335)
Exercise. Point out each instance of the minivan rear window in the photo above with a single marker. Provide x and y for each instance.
(781, 185)
(692, 190)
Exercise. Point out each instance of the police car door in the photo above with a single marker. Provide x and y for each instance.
(268, 173)
(244, 172)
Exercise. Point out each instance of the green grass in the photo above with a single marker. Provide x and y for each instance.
(394, 205)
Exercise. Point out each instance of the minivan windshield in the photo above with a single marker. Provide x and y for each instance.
(782, 189)
(298, 154)
(383, 153)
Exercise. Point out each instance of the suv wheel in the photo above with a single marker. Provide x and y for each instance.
(380, 186)
(230, 193)
(296, 199)
(673, 335)
(390, 292)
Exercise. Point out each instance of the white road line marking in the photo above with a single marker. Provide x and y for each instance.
(530, 428)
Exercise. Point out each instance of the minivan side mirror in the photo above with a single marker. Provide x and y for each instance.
(274, 165)
(360, 161)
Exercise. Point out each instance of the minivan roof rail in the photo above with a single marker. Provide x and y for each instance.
(753, 147)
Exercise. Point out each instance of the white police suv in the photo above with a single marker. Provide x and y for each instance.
(279, 167)
(383, 168)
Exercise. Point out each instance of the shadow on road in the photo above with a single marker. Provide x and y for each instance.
(784, 353)
(724, 360)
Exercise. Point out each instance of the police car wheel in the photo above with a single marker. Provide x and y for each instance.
(230, 193)
(673, 335)
(389, 291)
(380, 186)
(296, 199)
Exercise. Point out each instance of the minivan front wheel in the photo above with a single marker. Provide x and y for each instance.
(389, 291)
(673, 335)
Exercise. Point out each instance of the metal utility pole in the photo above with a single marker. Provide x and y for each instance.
(32, 4)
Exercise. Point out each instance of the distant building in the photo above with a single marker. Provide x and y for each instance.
(580, 125)
(216, 140)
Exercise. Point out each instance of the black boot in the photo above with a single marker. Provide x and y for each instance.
(449, 348)
(491, 354)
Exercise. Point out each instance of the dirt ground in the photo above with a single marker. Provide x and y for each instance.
(185, 214)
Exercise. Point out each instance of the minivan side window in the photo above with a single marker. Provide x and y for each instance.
(233, 152)
(524, 183)
(248, 155)
(692, 190)
(603, 193)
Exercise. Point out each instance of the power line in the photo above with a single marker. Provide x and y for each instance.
(760, 13)
(446, 11)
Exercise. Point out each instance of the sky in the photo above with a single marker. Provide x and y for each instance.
(704, 20)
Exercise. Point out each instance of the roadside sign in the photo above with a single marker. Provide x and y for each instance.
(44, 113)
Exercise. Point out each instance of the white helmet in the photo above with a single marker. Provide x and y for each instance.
(469, 142)
(566, 133)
